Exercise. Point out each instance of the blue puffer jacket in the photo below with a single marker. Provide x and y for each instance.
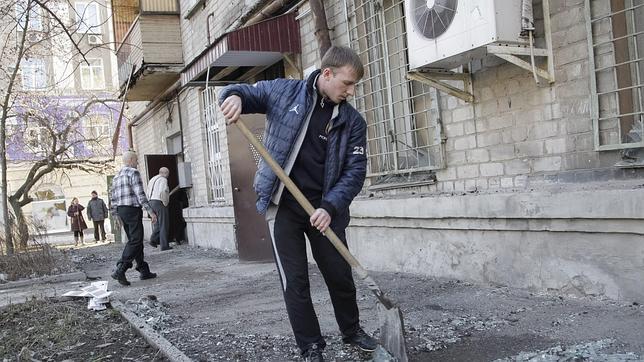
(287, 104)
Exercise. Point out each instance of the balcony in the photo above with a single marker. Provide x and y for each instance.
(149, 38)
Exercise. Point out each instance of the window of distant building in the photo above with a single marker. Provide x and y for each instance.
(88, 17)
(616, 43)
(97, 133)
(34, 76)
(35, 19)
(92, 74)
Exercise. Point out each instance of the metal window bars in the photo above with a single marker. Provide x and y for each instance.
(616, 50)
(402, 135)
(214, 127)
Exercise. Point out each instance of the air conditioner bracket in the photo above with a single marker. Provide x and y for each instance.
(437, 78)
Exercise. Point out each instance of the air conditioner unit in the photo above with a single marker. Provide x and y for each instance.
(94, 39)
(448, 33)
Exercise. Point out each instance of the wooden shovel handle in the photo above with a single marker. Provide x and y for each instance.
(295, 191)
(304, 202)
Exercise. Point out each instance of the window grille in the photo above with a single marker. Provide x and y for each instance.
(214, 128)
(402, 136)
(616, 49)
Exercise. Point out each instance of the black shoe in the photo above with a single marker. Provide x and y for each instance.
(154, 245)
(361, 340)
(168, 248)
(119, 275)
(144, 269)
(313, 354)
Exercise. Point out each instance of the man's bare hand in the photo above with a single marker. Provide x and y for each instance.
(321, 219)
(232, 108)
(153, 217)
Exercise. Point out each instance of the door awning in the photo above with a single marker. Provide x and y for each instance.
(257, 45)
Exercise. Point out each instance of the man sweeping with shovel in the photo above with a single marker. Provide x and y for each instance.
(319, 139)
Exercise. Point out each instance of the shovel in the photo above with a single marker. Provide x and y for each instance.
(391, 320)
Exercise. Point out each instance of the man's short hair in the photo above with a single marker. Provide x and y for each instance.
(128, 156)
(94, 193)
(164, 171)
(339, 56)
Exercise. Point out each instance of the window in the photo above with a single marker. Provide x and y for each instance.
(34, 76)
(88, 17)
(35, 20)
(97, 133)
(401, 134)
(616, 44)
(92, 74)
(37, 139)
(214, 128)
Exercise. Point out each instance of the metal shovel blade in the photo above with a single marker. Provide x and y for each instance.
(392, 333)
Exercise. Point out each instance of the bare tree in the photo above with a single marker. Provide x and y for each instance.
(44, 119)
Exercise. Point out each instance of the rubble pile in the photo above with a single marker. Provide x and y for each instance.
(153, 312)
(580, 352)
(448, 330)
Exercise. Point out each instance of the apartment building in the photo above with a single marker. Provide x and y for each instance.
(55, 82)
(499, 151)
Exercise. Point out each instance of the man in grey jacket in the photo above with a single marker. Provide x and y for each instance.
(97, 213)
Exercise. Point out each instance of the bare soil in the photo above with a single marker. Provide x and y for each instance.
(38, 261)
(57, 330)
(215, 308)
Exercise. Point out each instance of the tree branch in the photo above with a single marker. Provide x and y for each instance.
(64, 27)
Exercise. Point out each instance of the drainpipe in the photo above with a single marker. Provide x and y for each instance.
(266, 12)
(321, 26)
(153, 104)
(131, 124)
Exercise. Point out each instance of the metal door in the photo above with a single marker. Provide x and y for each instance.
(253, 237)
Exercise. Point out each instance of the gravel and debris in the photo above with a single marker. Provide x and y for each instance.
(582, 352)
(215, 308)
(154, 313)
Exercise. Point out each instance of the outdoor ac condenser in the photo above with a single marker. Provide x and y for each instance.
(447, 33)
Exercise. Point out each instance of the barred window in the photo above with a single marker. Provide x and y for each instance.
(616, 50)
(214, 128)
(402, 135)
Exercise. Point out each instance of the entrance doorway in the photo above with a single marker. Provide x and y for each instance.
(251, 229)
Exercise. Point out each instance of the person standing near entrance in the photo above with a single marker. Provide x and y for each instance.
(97, 213)
(75, 212)
(320, 140)
(127, 199)
(159, 194)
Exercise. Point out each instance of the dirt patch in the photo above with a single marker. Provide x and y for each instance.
(39, 260)
(56, 330)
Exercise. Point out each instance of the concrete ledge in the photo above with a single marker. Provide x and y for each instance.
(587, 204)
(155, 339)
(75, 276)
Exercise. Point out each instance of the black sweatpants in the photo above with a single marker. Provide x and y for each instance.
(290, 225)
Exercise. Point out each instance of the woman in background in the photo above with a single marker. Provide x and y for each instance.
(78, 222)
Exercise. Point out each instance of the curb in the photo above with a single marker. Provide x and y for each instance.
(44, 280)
(150, 335)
